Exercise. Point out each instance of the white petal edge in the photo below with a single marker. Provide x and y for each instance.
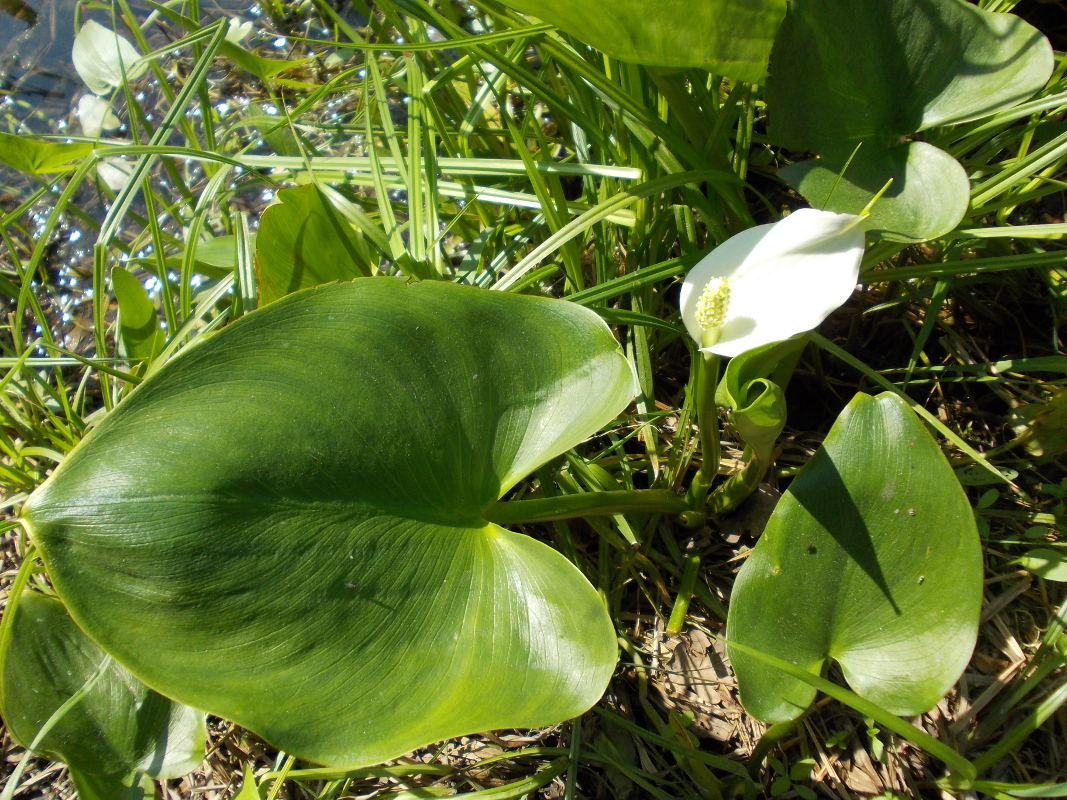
(238, 30)
(794, 278)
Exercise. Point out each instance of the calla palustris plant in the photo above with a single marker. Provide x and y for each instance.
(288, 525)
(747, 299)
(771, 282)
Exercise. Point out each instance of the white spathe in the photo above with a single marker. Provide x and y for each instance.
(95, 115)
(238, 30)
(101, 56)
(783, 279)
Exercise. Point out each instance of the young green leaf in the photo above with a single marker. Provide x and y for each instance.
(119, 728)
(303, 241)
(138, 320)
(1049, 564)
(299, 505)
(249, 790)
(35, 157)
(874, 562)
(1042, 427)
(264, 68)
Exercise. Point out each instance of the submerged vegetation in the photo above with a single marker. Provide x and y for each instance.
(536, 399)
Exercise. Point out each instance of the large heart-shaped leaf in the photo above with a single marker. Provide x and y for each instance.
(286, 525)
(929, 195)
(116, 733)
(871, 558)
(849, 70)
(845, 72)
(728, 37)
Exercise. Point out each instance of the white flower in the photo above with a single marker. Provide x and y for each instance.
(95, 115)
(238, 30)
(115, 172)
(772, 281)
(101, 56)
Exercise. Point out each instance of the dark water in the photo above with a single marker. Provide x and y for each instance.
(36, 74)
(38, 84)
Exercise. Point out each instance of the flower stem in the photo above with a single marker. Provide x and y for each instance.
(685, 594)
(588, 504)
(707, 379)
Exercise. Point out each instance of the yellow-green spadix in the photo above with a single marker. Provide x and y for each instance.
(772, 282)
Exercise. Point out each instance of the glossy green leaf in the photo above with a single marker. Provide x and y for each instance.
(120, 727)
(1049, 564)
(846, 72)
(728, 37)
(37, 157)
(850, 70)
(215, 257)
(871, 558)
(299, 506)
(138, 321)
(303, 241)
(929, 196)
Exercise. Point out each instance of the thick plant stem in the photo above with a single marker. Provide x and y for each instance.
(741, 484)
(707, 379)
(587, 504)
